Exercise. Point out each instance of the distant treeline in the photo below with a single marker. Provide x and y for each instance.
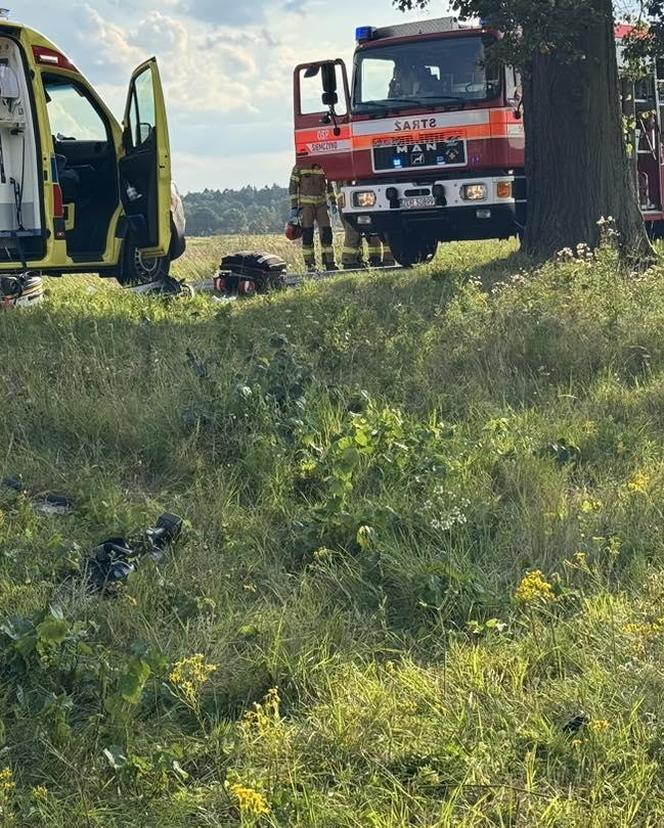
(249, 210)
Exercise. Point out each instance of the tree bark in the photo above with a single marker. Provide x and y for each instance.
(576, 163)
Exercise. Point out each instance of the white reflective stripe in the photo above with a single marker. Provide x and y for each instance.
(327, 147)
(414, 123)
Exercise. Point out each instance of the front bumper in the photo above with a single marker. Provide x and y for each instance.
(452, 217)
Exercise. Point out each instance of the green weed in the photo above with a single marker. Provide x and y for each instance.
(424, 535)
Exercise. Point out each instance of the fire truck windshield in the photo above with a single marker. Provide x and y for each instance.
(427, 73)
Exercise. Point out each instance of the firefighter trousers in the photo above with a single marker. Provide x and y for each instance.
(379, 251)
(352, 253)
(312, 215)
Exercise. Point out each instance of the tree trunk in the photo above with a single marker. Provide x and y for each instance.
(576, 164)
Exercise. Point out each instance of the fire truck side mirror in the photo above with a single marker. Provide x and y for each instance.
(330, 99)
(329, 73)
(516, 103)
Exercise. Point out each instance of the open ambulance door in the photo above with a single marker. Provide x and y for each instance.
(323, 118)
(145, 169)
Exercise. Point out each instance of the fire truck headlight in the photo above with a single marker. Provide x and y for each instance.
(474, 192)
(364, 198)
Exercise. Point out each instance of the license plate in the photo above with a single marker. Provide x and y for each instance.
(418, 202)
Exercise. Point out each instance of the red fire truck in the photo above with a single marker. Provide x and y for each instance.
(427, 141)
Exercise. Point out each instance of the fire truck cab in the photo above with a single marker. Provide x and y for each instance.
(426, 140)
(80, 192)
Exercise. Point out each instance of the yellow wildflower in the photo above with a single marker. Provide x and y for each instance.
(266, 714)
(534, 589)
(639, 484)
(648, 629)
(251, 803)
(7, 783)
(600, 725)
(190, 675)
(581, 560)
(590, 428)
(590, 505)
(644, 633)
(40, 793)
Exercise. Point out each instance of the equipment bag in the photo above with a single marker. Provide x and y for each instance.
(264, 269)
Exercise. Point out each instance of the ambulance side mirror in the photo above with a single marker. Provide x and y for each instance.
(145, 131)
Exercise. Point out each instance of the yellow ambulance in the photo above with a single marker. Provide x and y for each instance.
(80, 192)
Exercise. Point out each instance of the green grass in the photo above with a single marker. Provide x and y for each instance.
(368, 468)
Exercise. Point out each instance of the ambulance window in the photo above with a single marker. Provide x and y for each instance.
(71, 113)
(142, 117)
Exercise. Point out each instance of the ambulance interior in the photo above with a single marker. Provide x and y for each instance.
(87, 164)
(22, 234)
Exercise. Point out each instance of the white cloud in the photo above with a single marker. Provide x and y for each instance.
(226, 67)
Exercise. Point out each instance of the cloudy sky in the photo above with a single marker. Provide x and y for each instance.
(226, 65)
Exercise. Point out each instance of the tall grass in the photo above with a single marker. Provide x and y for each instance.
(368, 469)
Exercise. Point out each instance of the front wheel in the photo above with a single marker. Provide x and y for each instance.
(138, 269)
(409, 250)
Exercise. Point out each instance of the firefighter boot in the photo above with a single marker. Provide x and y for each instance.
(375, 251)
(388, 256)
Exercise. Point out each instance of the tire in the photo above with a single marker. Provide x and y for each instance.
(139, 270)
(414, 250)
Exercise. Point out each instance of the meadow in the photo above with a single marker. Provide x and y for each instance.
(421, 581)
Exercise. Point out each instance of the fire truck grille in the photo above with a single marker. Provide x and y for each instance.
(411, 154)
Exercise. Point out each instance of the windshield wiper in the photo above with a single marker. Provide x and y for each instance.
(441, 98)
(424, 100)
(371, 105)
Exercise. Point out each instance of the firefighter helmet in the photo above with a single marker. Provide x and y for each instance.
(293, 231)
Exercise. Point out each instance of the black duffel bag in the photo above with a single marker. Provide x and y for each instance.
(264, 269)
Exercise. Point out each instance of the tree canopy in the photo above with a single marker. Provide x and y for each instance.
(543, 26)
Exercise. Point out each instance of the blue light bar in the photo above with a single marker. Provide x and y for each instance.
(364, 33)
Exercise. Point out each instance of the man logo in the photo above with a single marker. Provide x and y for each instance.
(417, 160)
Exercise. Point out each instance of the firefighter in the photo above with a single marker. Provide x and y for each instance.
(404, 83)
(310, 193)
(379, 251)
(352, 255)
